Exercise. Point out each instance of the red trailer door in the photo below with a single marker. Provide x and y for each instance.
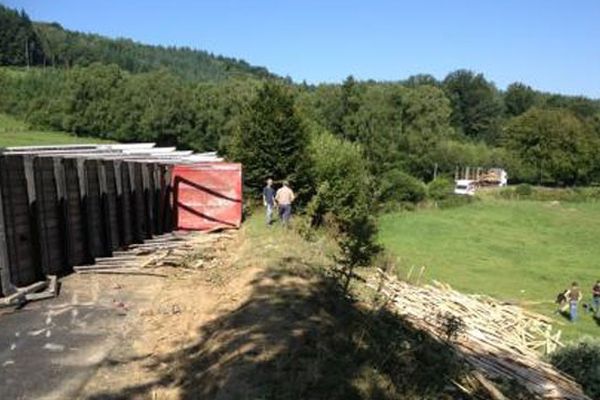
(207, 196)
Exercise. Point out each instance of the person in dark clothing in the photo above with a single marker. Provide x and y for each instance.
(269, 200)
(596, 298)
(562, 302)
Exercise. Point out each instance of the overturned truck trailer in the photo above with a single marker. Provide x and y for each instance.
(63, 206)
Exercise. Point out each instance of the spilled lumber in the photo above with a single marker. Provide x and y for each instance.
(499, 340)
(171, 249)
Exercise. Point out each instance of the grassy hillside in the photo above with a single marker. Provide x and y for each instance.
(522, 251)
(16, 133)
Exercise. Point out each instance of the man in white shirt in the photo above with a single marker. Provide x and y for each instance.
(284, 198)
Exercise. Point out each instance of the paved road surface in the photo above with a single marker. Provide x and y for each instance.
(49, 349)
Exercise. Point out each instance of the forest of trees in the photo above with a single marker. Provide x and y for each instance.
(27, 43)
(347, 148)
(408, 126)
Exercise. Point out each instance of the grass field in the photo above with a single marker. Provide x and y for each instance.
(16, 133)
(523, 251)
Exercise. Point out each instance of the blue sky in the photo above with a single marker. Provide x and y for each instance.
(553, 45)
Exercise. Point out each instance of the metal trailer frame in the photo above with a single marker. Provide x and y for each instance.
(62, 206)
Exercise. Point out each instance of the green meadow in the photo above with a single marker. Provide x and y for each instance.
(16, 133)
(515, 250)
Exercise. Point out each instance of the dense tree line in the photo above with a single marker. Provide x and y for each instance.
(419, 127)
(49, 44)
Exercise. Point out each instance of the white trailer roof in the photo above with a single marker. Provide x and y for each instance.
(143, 152)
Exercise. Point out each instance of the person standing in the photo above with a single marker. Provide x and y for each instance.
(284, 198)
(574, 296)
(269, 200)
(596, 298)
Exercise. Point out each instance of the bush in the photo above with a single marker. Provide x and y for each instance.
(400, 187)
(524, 189)
(343, 198)
(586, 194)
(341, 177)
(455, 200)
(582, 361)
(440, 188)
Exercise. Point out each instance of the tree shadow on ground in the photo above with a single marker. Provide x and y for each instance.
(298, 337)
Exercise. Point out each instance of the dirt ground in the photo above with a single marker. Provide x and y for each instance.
(236, 328)
(231, 324)
(254, 314)
(187, 300)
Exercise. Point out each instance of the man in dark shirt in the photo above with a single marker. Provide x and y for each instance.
(269, 200)
(596, 298)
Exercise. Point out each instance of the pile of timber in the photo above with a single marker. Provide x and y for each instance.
(172, 249)
(501, 340)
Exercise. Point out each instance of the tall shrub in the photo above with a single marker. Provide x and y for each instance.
(344, 193)
(399, 187)
(440, 188)
(581, 361)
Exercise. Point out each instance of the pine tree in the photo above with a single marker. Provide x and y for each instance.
(271, 140)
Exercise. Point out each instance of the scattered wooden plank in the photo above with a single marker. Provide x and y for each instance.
(39, 296)
(32, 292)
(128, 256)
(489, 387)
(13, 300)
(99, 267)
(35, 287)
(136, 271)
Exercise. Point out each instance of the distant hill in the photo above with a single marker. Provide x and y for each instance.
(23, 42)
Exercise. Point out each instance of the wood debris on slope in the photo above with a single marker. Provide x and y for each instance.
(500, 340)
(175, 249)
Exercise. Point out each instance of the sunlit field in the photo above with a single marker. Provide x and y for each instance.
(520, 251)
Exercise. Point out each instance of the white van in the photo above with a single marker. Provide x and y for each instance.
(465, 187)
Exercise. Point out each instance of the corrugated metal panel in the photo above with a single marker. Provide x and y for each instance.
(50, 222)
(77, 252)
(21, 240)
(93, 205)
(110, 209)
(125, 208)
(138, 202)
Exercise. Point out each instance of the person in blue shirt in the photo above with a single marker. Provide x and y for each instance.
(269, 200)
